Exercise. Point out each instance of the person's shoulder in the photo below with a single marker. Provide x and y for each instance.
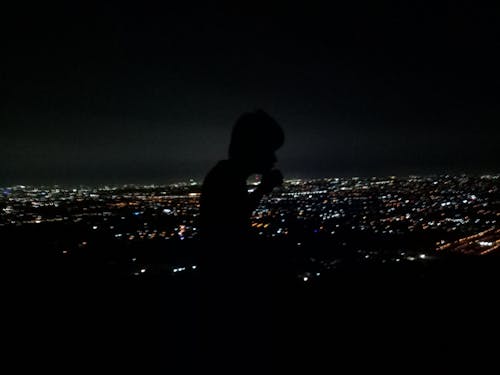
(223, 170)
(222, 166)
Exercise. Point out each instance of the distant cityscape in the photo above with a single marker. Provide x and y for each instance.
(378, 219)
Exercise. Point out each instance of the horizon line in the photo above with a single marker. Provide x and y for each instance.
(195, 182)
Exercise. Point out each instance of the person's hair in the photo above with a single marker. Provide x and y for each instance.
(255, 130)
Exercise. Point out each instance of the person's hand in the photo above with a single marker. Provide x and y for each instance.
(270, 180)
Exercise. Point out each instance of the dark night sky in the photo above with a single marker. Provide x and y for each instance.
(115, 93)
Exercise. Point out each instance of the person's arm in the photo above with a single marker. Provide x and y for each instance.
(270, 180)
(254, 198)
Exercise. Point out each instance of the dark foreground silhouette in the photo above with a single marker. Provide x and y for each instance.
(64, 314)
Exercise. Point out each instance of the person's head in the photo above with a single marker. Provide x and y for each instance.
(254, 139)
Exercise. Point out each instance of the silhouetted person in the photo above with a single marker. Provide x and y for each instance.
(226, 205)
(236, 305)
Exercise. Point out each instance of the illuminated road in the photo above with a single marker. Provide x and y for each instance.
(481, 243)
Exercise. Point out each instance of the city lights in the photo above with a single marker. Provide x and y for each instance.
(376, 220)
